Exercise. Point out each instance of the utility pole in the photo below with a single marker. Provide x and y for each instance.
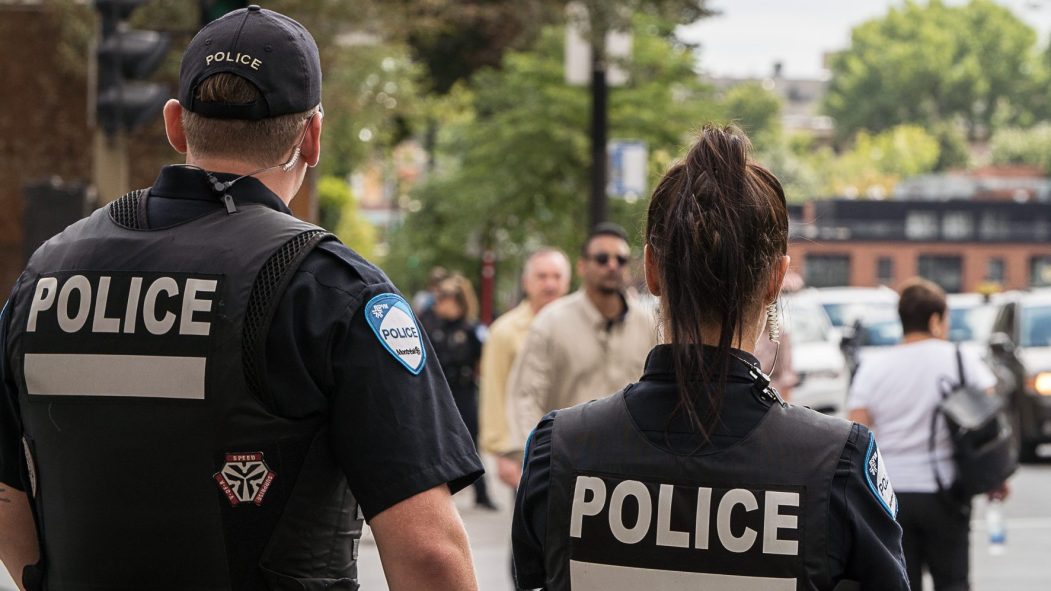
(598, 204)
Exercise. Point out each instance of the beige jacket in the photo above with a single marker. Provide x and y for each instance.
(501, 347)
(572, 354)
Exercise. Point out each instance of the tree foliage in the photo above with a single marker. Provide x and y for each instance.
(931, 63)
(339, 214)
(1023, 146)
(513, 173)
(756, 110)
(876, 162)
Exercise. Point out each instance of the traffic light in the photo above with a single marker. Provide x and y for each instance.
(213, 9)
(123, 100)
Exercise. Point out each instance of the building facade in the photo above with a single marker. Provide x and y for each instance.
(961, 245)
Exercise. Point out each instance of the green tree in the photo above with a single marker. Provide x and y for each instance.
(877, 162)
(513, 173)
(756, 110)
(338, 212)
(1030, 146)
(931, 63)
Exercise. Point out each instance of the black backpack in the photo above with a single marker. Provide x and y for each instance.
(983, 448)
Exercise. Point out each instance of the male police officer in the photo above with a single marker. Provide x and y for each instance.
(202, 392)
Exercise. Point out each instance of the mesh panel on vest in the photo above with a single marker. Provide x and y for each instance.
(125, 211)
(268, 284)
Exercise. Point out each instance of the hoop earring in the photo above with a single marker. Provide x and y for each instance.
(773, 322)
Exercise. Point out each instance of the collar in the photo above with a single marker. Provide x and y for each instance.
(660, 365)
(596, 318)
(183, 182)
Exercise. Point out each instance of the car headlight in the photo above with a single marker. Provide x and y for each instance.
(1040, 383)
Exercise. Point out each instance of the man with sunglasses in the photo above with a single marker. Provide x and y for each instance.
(585, 345)
(199, 391)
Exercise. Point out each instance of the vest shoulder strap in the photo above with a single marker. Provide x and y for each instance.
(269, 286)
(127, 211)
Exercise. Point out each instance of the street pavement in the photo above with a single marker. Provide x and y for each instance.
(1026, 566)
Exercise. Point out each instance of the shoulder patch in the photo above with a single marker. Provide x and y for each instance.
(878, 480)
(394, 324)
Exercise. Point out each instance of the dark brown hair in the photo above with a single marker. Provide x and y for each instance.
(920, 299)
(264, 142)
(717, 225)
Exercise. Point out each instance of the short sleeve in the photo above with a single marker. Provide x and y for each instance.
(865, 538)
(393, 427)
(529, 523)
(396, 432)
(861, 388)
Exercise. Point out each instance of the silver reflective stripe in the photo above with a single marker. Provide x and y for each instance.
(591, 576)
(139, 376)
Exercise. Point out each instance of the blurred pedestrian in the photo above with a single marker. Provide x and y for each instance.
(585, 345)
(423, 300)
(699, 476)
(236, 389)
(545, 278)
(457, 339)
(896, 392)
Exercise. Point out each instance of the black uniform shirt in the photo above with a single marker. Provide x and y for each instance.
(393, 433)
(864, 540)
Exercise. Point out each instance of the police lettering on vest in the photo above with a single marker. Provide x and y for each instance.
(120, 334)
(628, 531)
(654, 515)
(159, 304)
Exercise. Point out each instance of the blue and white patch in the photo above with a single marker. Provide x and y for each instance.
(878, 480)
(391, 318)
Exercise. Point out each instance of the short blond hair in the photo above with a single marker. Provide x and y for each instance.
(263, 142)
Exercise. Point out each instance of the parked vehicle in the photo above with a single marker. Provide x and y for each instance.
(971, 317)
(866, 318)
(822, 372)
(1020, 354)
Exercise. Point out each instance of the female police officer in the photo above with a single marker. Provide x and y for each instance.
(699, 475)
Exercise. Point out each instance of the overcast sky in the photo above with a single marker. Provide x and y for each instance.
(750, 35)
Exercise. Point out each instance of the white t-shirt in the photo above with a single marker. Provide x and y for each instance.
(900, 389)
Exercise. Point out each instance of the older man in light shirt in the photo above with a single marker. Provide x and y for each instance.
(545, 278)
(586, 345)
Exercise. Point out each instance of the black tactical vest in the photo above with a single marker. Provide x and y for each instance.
(155, 460)
(625, 514)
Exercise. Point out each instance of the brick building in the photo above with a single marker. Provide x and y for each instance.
(959, 244)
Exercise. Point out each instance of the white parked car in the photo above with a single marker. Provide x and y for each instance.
(823, 377)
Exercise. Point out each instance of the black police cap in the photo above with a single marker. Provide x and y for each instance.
(273, 52)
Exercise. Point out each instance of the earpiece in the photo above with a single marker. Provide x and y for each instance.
(287, 166)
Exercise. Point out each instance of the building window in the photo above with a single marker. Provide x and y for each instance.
(957, 225)
(994, 270)
(827, 270)
(1040, 272)
(921, 225)
(885, 271)
(946, 271)
(994, 226)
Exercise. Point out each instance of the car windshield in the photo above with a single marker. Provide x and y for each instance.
(971, 324)
(806, 324)
(1036, 326)
(881, 332)
(846, 314)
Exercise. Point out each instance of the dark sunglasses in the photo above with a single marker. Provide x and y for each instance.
(603, 259)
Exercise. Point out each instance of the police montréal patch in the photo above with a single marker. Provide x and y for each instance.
(878, 480)
(391, 318)
(244, 478)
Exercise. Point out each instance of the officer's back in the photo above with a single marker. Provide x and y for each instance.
(699, 476)
(202, 392)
